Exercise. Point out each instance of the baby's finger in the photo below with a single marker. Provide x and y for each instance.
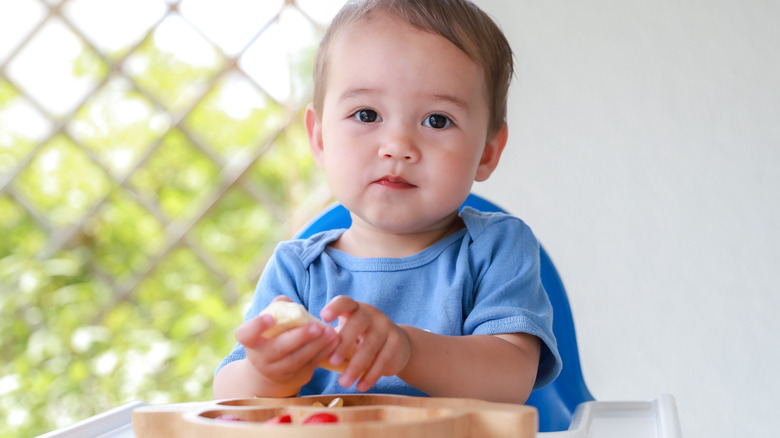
(302, 347)
(364, 356)
(370, 377)
(384, 364)
(249, 334)
(338, 306)
(350, 333)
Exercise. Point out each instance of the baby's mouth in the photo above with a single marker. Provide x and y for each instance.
(394, 182)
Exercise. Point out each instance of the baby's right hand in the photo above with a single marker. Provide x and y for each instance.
(289, 358)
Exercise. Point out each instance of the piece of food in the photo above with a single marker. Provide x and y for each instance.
(288, 315)
(335, 403)
(280, 419)
(322, 417)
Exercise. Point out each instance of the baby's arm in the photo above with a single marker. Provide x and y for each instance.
(497, 368)
(274, 367)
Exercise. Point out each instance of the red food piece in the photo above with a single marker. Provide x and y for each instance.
(322, 417)
(228, 418)
(280, 419)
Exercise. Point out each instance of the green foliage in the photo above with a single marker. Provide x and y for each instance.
(233, 103)
(21, 235)
(171, 80)
(133, 236)
(177, 175)
(62, 183)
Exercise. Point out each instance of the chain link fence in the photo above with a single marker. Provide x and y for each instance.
(151, 156)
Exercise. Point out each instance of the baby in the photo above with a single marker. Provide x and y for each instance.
(409, 110)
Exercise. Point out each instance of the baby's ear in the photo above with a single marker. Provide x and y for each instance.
(314, 131)
(492, 153)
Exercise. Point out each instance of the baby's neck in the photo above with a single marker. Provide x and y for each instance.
(363, 241)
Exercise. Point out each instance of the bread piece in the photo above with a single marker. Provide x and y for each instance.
(288, 315)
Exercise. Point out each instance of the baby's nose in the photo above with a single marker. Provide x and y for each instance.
(400, 147)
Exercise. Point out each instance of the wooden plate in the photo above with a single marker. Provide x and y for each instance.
(363, 415)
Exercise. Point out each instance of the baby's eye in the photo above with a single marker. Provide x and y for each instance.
(367, 116)
(437, 121)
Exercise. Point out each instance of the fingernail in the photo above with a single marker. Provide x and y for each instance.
(315, 329)
(335, 359)
(268, 319)
(345, 380)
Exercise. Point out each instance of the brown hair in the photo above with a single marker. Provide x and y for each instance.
(459, 21)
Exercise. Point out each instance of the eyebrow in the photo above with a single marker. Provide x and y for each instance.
(355, 92)
(449, 98)
(455, 100)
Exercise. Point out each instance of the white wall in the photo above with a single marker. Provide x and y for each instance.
(645, 153)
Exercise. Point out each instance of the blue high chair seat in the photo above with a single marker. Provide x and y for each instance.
(557, 401)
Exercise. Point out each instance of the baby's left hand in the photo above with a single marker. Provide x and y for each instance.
(383, 348)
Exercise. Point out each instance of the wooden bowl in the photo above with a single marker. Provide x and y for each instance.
(362, 415)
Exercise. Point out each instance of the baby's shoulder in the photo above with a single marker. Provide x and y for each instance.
(305, 251)
(493, 225)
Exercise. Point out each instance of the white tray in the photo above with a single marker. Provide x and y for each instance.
(116, 423)
(598, 419)
(641, 419)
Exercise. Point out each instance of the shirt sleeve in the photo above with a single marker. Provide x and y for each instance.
(509, 296)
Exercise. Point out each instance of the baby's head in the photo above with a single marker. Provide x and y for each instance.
(459, 21)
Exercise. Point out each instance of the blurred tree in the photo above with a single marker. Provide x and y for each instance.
(135, 224)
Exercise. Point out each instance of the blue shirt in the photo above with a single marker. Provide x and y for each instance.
(481, 280)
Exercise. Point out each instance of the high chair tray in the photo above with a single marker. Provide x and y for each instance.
(637, 419)
(652, 419)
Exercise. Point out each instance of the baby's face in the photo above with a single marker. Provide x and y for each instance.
(404, 125)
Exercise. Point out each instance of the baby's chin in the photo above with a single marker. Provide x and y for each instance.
(408, 225)
(395, 239)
